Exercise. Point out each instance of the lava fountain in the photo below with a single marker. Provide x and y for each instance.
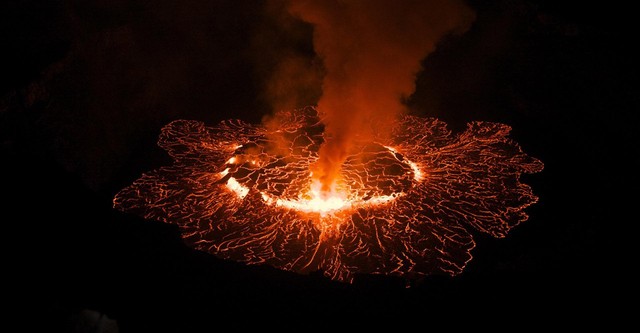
(402, 205)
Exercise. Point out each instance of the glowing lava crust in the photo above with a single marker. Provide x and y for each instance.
(402, 206)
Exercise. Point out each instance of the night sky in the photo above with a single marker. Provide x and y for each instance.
(87, 85)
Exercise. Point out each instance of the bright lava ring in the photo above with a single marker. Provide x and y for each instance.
(313, 200)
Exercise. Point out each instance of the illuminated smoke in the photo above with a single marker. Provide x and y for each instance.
(371, 52)
(406, 207)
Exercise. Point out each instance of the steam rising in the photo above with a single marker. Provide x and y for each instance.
(371, 52)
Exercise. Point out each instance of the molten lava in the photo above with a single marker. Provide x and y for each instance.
(401, 206)
(316, 201)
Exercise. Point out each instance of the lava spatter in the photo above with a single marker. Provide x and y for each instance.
(402, 206)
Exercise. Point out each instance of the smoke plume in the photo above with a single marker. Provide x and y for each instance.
(371, 51)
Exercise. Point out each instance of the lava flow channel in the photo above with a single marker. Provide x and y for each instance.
(402, 206)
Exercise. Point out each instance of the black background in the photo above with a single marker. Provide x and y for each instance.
(86, 87)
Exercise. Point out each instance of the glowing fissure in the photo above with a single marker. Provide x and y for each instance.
(323, 203)
(240, 190)
(417, 173)
(317, 202)
(403, 205)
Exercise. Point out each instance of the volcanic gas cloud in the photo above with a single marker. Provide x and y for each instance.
(372, 51)
(353, 185)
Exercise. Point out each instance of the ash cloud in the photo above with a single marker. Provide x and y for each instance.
(371, 52)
